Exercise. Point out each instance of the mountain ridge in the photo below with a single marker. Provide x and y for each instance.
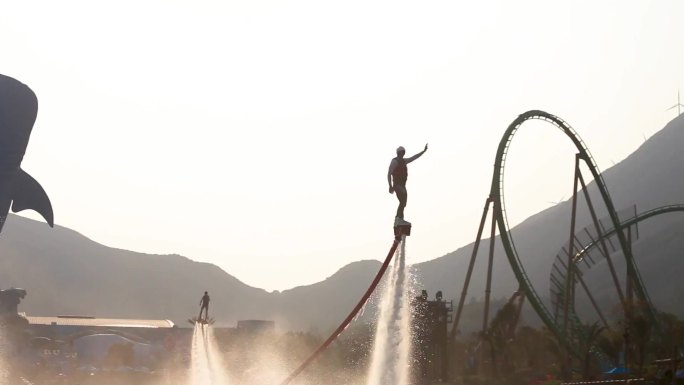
(65, 272)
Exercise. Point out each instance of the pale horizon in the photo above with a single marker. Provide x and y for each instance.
(256, 136)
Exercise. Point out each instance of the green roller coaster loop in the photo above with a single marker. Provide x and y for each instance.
(497, 195)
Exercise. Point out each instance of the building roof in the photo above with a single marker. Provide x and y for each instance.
(256, 325)
(103, 322)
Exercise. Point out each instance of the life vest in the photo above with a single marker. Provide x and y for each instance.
(400, 173)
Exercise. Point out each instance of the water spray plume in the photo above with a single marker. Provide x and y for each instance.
(392, 347)
(207, 366)
(349, 318)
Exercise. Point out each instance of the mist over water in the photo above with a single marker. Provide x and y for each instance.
(206, 367)
(392, 346)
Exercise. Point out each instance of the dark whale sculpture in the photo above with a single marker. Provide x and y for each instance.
(18, 110)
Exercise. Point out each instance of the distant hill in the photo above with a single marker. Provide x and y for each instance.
(67, 273)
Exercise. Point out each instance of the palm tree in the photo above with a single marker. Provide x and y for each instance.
(499, 334)
(610, 342)
(640, 328)
(673, 334)
(530, 344)
(556, 348)
(590, 336)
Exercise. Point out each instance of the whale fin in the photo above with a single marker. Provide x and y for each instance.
(28, 194)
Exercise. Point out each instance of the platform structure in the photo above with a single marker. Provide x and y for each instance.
(430, 319)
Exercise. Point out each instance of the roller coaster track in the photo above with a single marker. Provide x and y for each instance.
(559, 271)
(630, 222)
(351, 315)
(497, 196)
(584, 253)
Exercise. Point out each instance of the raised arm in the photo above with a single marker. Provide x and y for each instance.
(418, 155)
(392, 166)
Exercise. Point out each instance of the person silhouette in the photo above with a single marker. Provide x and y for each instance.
(397, 176)
(204, 306)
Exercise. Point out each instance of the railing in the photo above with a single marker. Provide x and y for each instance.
(630, 381)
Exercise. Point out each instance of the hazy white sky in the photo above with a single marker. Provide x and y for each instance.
(256, 135)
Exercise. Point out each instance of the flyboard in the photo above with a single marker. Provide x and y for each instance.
(202, 323)
(401, 228)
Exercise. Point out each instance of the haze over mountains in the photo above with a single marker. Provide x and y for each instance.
(66, 273)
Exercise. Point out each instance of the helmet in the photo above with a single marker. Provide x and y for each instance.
(401, 149)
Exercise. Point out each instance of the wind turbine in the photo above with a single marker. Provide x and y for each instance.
(679, 105)
(558, 201)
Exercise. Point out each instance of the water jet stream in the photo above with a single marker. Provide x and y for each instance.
(392, 346)
(206, 367)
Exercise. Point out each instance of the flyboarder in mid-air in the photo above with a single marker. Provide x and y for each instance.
(396, 177)
(204, 306)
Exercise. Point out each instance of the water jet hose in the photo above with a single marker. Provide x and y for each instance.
(349, 318)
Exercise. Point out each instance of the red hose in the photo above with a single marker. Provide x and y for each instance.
(349, 318)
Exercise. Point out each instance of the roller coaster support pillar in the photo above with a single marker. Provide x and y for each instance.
(636, 225)
(640, 290)
(488, 290)
(571, 245)
(629, 284)
(466, 283)
(578, 274)
(594, 218)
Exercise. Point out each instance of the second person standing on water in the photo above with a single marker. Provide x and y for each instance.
(204, 307)
(397, 176)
